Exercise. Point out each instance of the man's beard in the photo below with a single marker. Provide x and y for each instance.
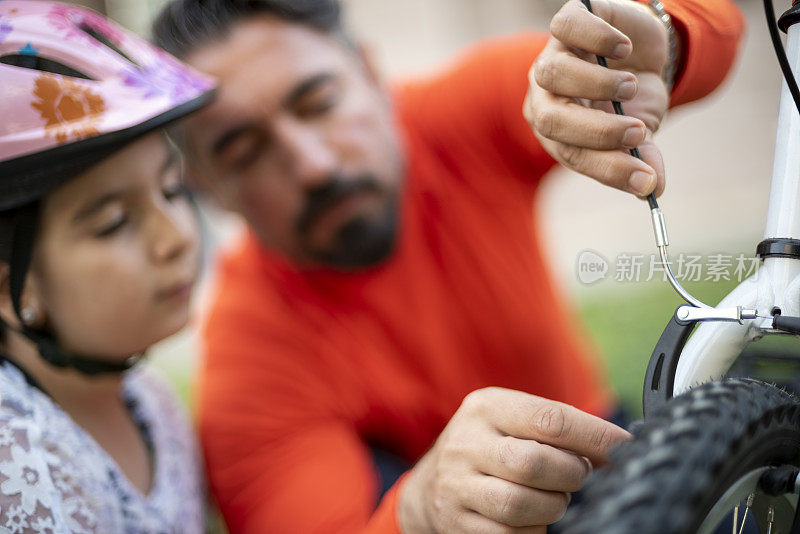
(361, 242)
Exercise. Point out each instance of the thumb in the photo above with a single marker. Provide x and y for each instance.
(651, 155)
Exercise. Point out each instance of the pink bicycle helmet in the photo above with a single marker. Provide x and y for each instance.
(75, 87)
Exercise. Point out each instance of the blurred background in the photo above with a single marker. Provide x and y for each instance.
(718, 155)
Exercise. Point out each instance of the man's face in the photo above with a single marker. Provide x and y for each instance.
(301, 142)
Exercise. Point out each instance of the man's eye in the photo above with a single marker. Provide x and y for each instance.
(314, 109)
(318, 102)
(244, 161)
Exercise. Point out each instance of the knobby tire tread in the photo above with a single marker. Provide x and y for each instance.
(684, 458)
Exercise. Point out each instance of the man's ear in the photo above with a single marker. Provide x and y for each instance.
(193, 180)
(193, 177)
(204, 187)
(369, 60)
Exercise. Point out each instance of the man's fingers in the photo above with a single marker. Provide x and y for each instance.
(526, 416)
(570, 123)
(574, 26)
(566, 427)
(614, 168)
(512, 504)
(588, 137)
(533, 464)
(564, 74)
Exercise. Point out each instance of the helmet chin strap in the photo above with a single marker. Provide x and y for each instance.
(21, 252)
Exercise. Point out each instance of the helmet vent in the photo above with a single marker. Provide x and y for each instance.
(97, 36)
(28, 61)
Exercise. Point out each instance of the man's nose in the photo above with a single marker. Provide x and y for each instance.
(308, 157)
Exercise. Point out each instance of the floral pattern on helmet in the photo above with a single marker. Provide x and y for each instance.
(71, 112)
(166, 77)
(5, 29)
(68, 20)
(39, 114)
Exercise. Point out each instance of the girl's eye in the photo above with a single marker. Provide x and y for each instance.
(112, 227)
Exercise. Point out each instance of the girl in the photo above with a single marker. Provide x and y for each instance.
(98, 254)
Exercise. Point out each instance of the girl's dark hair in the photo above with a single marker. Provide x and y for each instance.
(184, 25)
(6, 243)
(6, 235)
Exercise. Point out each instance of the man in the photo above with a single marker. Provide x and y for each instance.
(392, 271)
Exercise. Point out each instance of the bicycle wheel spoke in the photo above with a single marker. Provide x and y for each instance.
(735, 519)
(744, 519)
(750, 500)
(771, 519)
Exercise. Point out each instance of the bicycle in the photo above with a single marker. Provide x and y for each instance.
(714, 449)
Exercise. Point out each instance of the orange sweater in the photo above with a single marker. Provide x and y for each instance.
(304, 370)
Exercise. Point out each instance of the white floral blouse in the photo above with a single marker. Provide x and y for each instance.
(54, 478)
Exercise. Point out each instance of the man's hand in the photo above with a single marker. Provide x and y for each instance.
(568, 104)
(506, 462)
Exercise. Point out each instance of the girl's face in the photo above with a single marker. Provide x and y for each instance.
(117, 254)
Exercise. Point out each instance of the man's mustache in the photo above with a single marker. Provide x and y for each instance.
(336, 188)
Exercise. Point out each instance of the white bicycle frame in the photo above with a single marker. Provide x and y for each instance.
(714, 347)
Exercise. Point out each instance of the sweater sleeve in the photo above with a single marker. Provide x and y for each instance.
(711, 31)
(281, 454)
(470, 113)
(277, 462)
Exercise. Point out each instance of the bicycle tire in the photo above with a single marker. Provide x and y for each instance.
(686, 456)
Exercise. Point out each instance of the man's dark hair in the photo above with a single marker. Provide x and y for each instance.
(185, 25)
